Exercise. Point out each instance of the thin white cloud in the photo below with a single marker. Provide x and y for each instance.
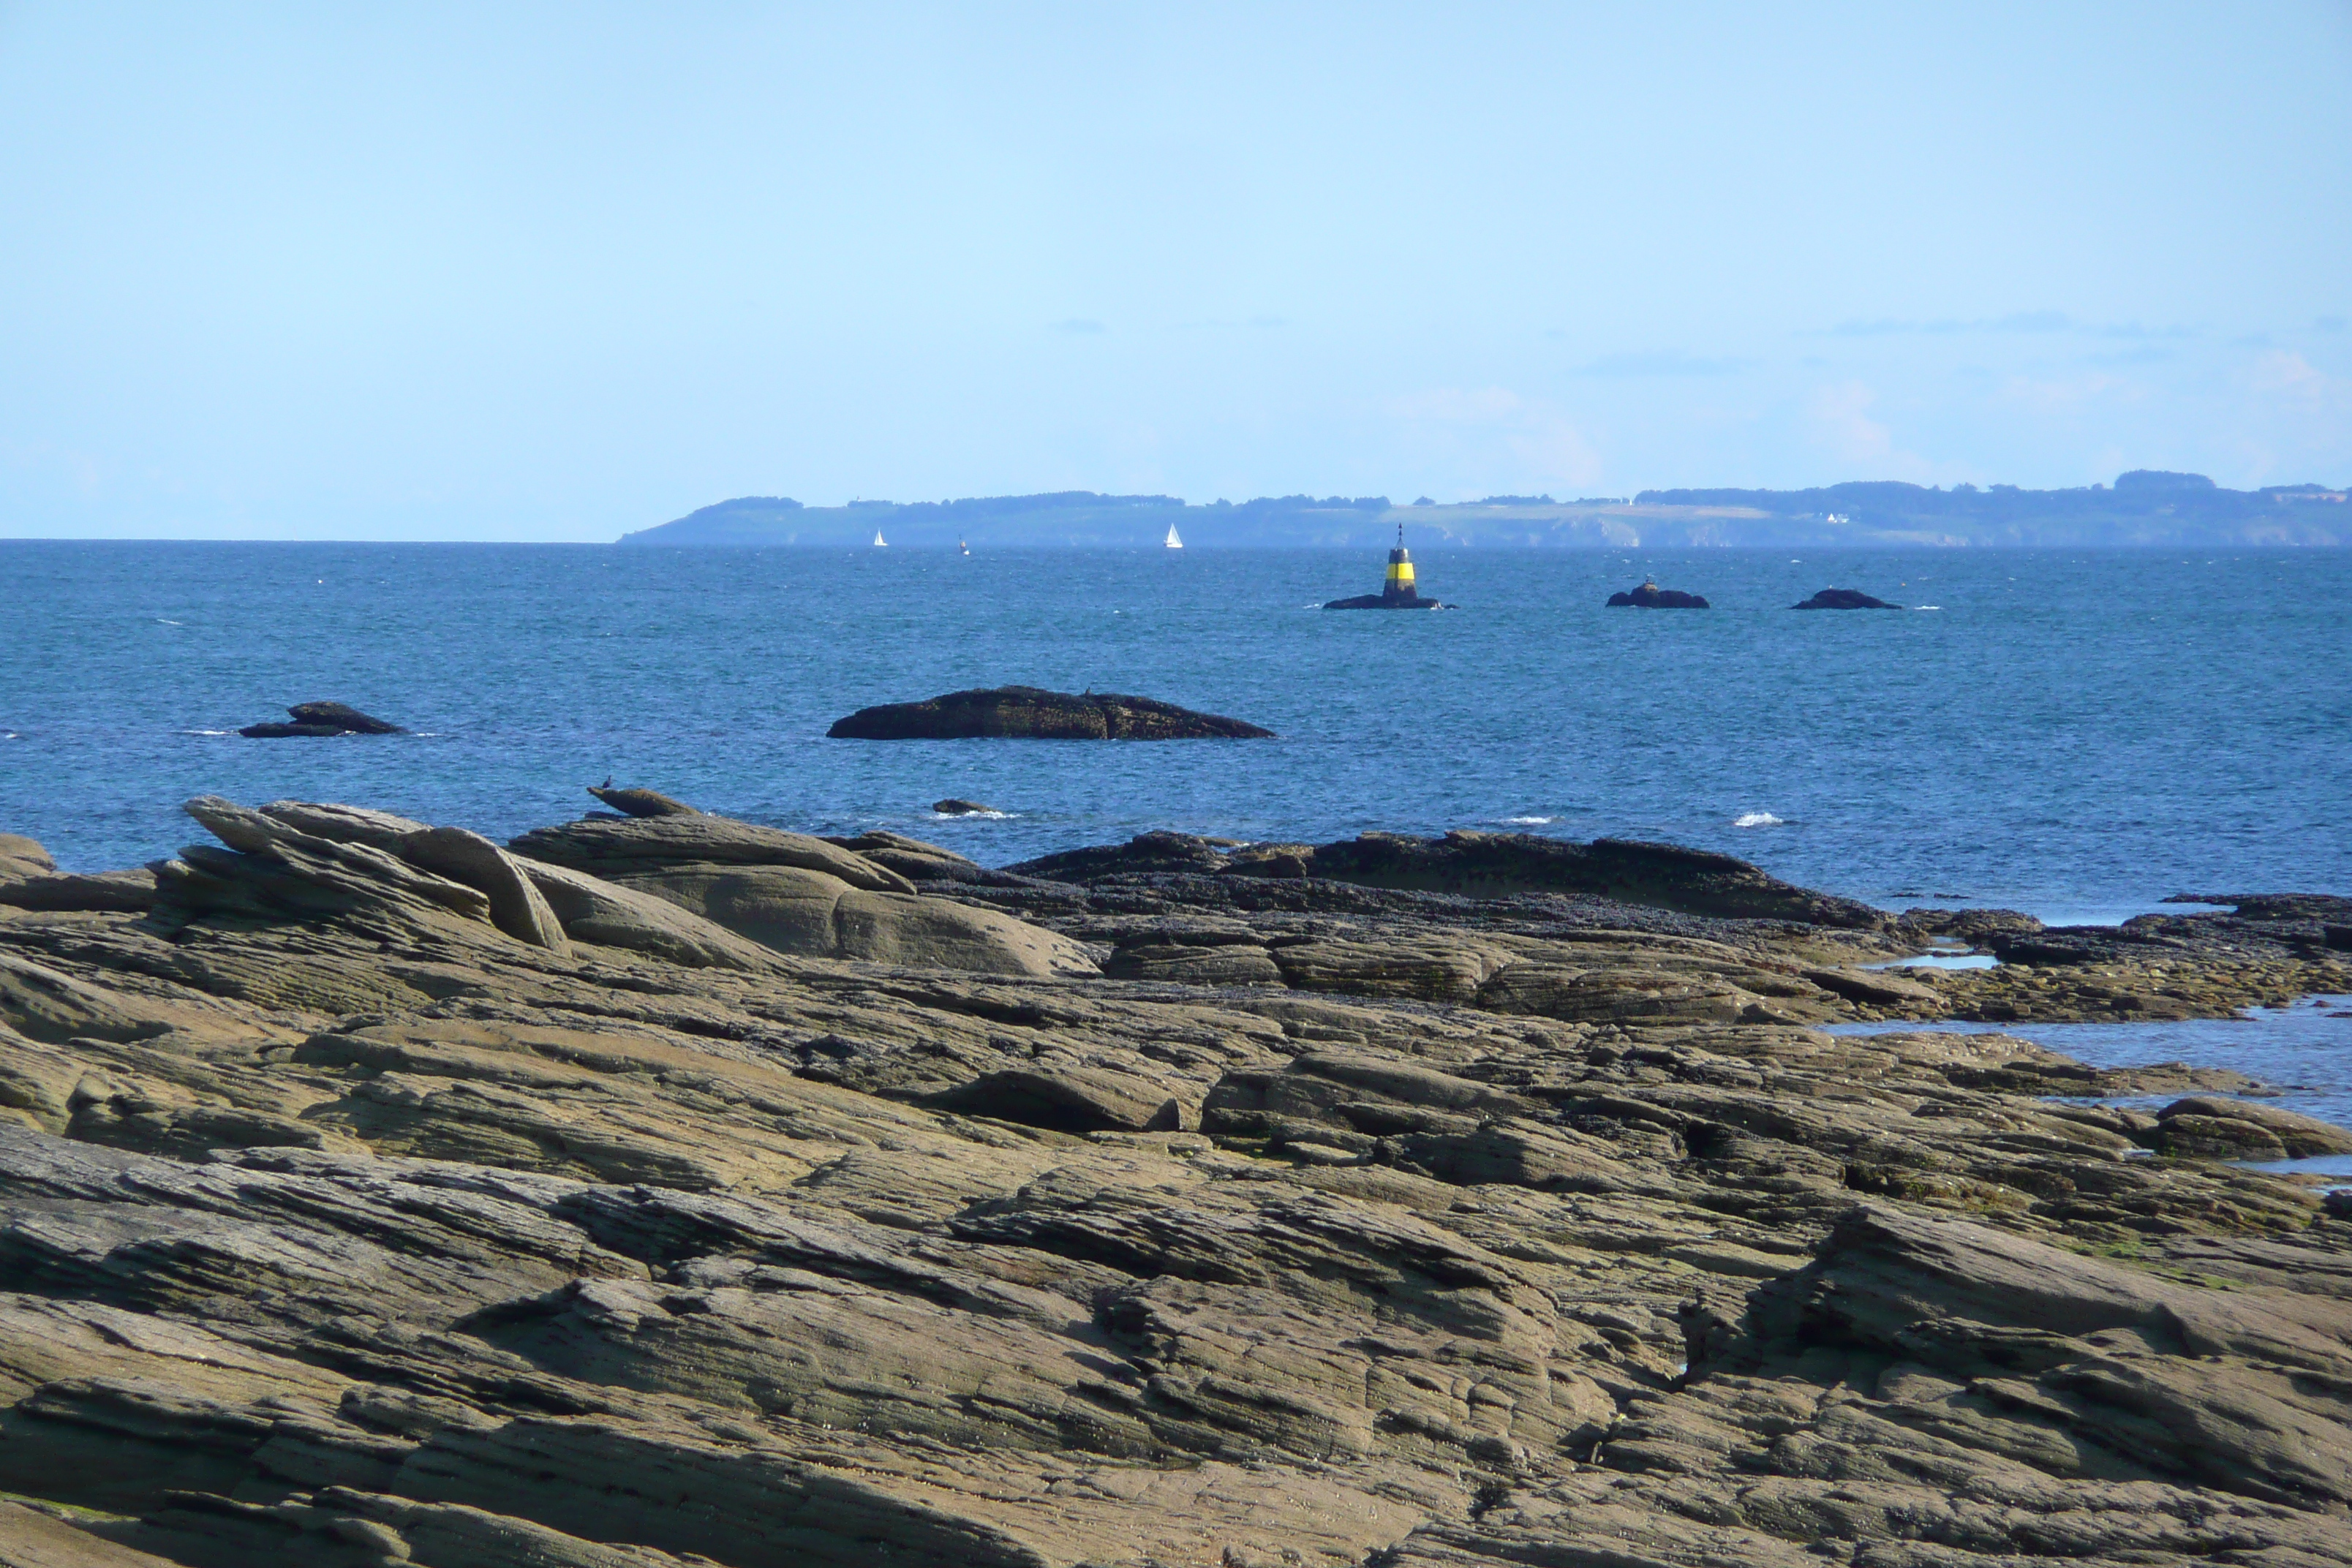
(1662, 363)
(1521, 443)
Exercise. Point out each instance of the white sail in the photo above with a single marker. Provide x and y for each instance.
(1173, 542)
(880, 542)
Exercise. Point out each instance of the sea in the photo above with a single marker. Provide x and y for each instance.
(2080, 735)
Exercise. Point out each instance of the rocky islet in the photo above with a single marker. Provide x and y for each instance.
(1033, 714)
(320, 720)
(675, 1189)
(1650, 596)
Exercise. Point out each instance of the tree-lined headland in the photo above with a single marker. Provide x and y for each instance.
(2143, 508)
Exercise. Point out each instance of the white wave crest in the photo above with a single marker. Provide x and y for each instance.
(162, 622)
(1525, 821)
(973, 815)
(207, 731)
(1757, 819)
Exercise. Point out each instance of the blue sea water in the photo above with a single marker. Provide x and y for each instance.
(2078, 735)
(2301, 1053)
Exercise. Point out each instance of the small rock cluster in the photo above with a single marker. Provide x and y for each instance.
(323, 719)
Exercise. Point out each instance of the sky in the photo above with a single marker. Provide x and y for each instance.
(560, 272)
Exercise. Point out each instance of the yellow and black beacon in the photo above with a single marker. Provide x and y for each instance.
(1398, 585)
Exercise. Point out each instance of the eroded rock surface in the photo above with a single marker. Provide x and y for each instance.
(355, 1208)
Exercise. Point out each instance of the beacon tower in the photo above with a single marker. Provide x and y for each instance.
(1398, 590)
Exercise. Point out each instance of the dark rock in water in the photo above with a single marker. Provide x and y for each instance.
(641, 802)
(1385, 601)
(1843, 599)
(323, 719)
(953, 807)
(1650, 596)
(1029, 712)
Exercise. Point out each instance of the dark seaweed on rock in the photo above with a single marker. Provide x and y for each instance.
(1667, 876)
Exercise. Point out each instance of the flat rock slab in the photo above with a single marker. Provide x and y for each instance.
(1029, 712)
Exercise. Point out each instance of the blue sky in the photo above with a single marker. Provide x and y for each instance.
(555, 273)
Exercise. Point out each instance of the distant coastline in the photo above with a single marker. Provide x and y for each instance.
(2143, 508)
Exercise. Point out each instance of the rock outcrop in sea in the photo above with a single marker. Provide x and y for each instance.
(1398, 589)
(1843, 599)
(677, 1190)
(1029, 712)
(322, 719)
(1650, 596)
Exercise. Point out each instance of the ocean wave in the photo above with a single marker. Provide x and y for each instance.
(1758, 820)
(1525, 821)
(162, 622)
(207, 731)
(1927, 607)
(970, 816)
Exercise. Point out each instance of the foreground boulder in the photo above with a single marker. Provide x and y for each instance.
(795, 894)
(1843, 599)
(1029, 712)
(1650, 596)
(22, 857)
(319, 718)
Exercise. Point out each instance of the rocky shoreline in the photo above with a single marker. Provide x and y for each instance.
(666, 1189)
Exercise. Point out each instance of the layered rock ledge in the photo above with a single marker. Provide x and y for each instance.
(680, 1190)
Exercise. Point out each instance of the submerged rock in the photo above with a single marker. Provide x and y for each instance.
(1844, 599)
(1650, 596)
(1029, 712)
(953, 807)
(323, 719)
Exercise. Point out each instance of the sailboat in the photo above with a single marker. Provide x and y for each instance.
(1173, 542)
(880, 542)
